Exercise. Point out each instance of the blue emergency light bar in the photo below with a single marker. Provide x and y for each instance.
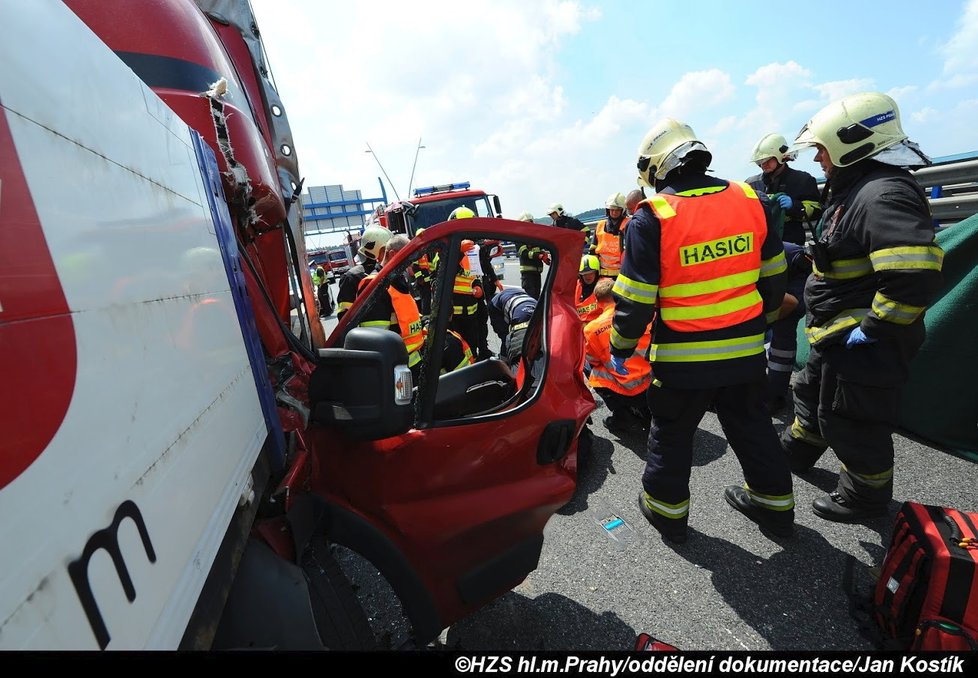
(444, 188)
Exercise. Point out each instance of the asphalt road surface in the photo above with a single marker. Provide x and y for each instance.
(729, 587)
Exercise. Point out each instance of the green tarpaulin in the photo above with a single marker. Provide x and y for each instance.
(940, 401)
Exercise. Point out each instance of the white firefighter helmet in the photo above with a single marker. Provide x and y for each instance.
(771, 146)
(667, 146)
(853, 128)
(525, 216)
(373, 241)
(557, 209)
(615, 201)
(462, 212)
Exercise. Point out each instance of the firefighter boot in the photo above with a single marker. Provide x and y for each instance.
(802, 448)
(778, 523)
(623, 422)
(671, 529)
(857, 496)
(838, 509)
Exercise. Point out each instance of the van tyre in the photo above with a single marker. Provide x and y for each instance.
(340, 619)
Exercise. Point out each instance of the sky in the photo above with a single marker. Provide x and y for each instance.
(543, 101)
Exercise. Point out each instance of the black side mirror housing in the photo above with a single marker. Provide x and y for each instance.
(363, 389)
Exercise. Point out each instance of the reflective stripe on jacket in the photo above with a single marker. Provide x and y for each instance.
(597, 345)
(711, 258)
(464, 302)
(457, 353)
(608, 247)
(587, 308)
(405, 318)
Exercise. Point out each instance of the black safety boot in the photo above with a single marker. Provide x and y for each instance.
(801, 455)
(624, 424)
(838, 509)
(780, 524)
(671, 529)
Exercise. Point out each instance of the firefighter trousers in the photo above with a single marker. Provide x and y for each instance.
(530, 282)
(781, 355)
(468, 327)
(747, 426)
(849, 399)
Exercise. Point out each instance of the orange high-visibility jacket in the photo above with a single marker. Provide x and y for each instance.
(597, 345)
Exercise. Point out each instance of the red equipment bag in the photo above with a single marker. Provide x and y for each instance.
(927, 594)
(646, 643)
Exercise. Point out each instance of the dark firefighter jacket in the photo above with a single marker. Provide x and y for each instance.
(802, 189)
(884, 266)
(349, 285)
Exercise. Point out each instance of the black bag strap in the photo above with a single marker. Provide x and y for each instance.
(861, 609)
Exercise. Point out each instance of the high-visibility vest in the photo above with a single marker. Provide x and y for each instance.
(597, 345)
(587, 308)
(409, 323)
(433, 266)
(464, 302)
(710, 257)
(422, 269)
(608, 247)
(406, 318)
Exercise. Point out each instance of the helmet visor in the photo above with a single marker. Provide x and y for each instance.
(805, 139)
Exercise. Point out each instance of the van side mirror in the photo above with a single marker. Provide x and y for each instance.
(363, 389)
(497, 205)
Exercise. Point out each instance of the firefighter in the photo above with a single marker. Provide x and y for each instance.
(588, 306)
(795, 191)
(704, 254)
(489, 249)
(397, 311)
(318, 276)
(608, 236)
(467, 295)
(421, 272)
(372, 246)
(784, 331)
(532, 259)
(510, 312)
(563, 220)
(456, 354)
(876, 267)
(624, 394)
(322, 292)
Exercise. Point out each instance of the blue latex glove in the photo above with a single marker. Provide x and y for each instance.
(618, 365)
(785, 201)
(857, 337)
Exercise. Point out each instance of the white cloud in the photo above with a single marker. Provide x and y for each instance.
(901, 93)
(961, 51)
(695, 91)
(778, 76)
(924, 115)
(474, 80)
(946, 131)
(487, 86)
(832, 91)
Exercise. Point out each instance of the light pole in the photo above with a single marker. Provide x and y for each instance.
(411, 182)
(371, 152)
